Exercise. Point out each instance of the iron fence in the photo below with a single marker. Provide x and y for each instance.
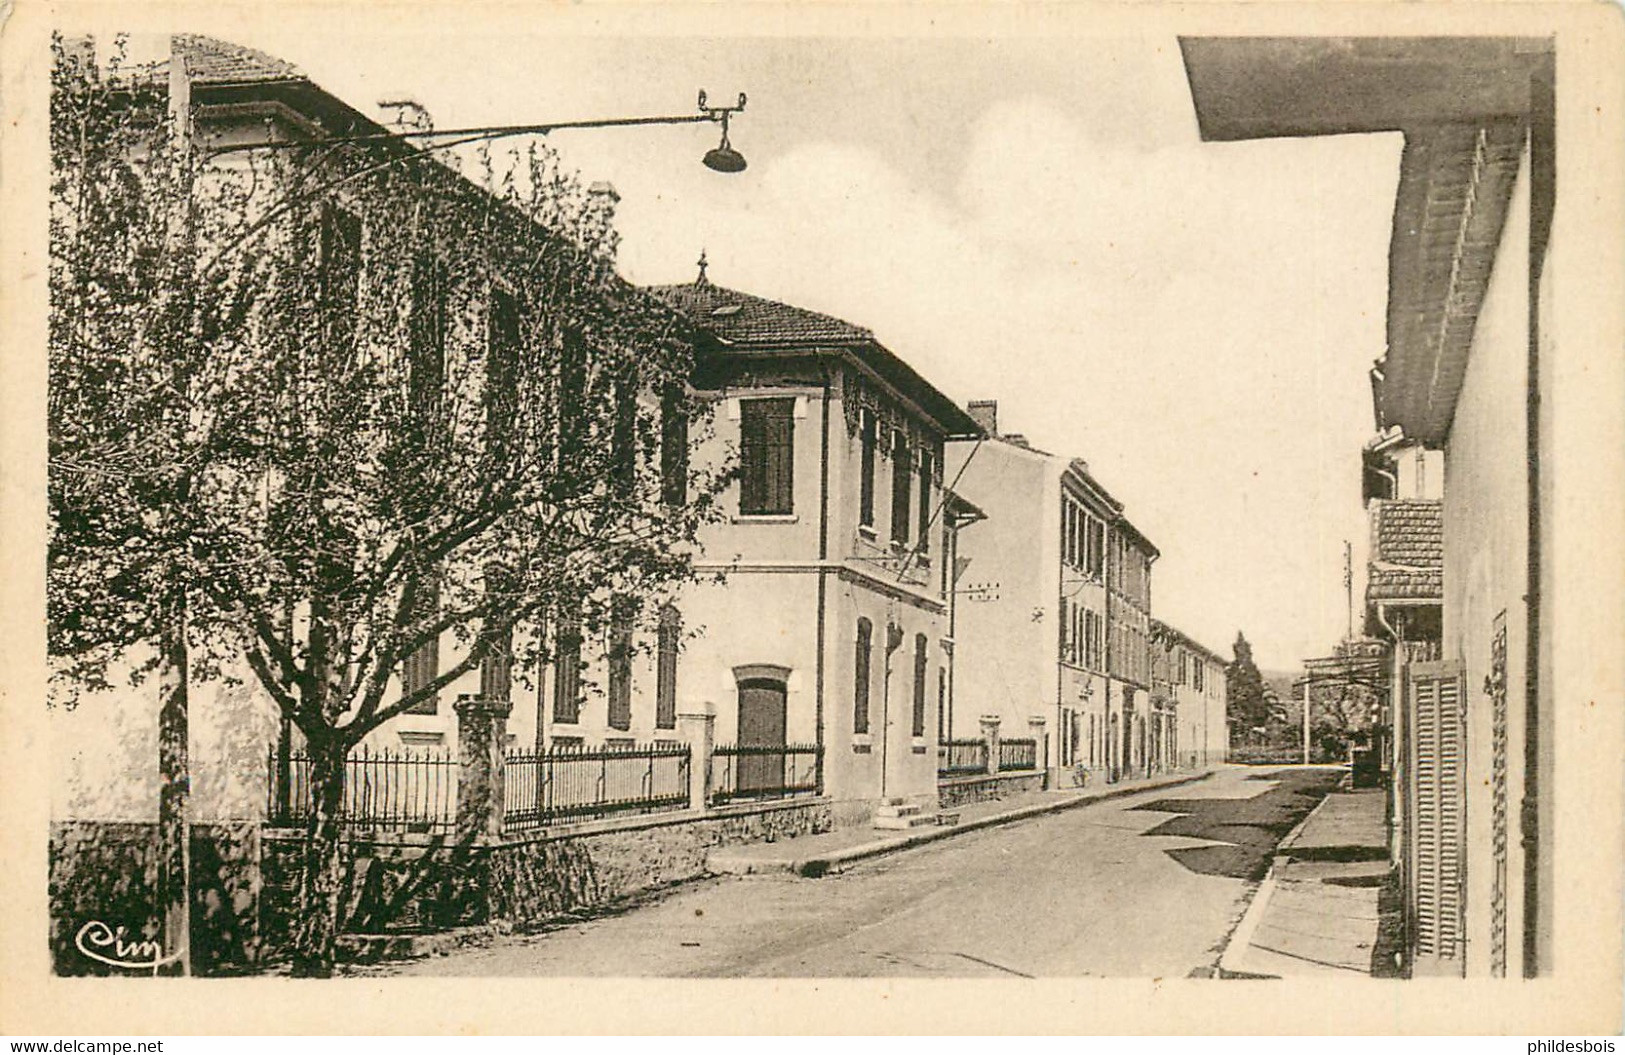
(1018, 754)
(764, 772)
(587, 783)
(384, 790)
(961, 757)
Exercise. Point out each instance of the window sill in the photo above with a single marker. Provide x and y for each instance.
(765, 518)
(867, 532)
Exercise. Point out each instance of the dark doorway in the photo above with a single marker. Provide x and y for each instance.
(762, 709)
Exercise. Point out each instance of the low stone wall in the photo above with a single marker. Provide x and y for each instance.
(107, 873)
(961, 791)
(245, 879)
(532, 879)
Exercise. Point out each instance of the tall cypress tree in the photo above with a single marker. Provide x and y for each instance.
(1248, 707)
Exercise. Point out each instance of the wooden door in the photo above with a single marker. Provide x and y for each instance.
(762, 721)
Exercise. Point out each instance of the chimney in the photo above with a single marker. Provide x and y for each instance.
(402, 113)
(985, 412)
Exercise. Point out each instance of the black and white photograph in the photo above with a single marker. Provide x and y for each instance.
(506, 498)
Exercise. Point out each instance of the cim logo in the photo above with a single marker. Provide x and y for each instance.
(104, 944)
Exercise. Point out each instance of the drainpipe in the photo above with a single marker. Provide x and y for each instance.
(1538, 756)
(823, 557)
(894, 641)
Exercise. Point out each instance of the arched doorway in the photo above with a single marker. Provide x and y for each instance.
(763, 721)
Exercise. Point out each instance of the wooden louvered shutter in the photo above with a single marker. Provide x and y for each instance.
(1438, 752)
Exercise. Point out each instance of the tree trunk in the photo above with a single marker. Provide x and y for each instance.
(174, 784)
(322, 873)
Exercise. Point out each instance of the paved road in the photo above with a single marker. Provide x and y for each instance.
(1145, 886)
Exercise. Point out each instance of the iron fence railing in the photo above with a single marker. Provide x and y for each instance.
(586, 783)
(384, 790)
(764, 772)
(961, 757)
(1017, 754)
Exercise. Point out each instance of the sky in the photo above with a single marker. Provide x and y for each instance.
(1033, 220)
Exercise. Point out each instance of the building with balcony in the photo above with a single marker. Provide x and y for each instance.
(830, 623)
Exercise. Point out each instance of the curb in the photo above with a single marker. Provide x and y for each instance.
(813, 867)
(1241, 938)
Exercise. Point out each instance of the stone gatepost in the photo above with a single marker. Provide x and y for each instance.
(697, 726)
(1035, 729)
(482, 733)
(990, 736)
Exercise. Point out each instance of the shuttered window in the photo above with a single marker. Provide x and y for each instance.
(1437, 752)
(423, 665)
(900, 489)
(866, 477)
(767, 456)
(924, 536)
(567, 671)
(673, 447)
(501, 373)
(921, 658)
(671, 624)
(860, 667)
(620, 667)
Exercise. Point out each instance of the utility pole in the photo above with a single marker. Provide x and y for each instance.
(1306, 717)
(1348, 586)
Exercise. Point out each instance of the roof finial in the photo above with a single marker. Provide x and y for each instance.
(701, 280)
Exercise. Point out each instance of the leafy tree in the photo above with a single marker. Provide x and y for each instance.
(1244, 686)
(406, 405)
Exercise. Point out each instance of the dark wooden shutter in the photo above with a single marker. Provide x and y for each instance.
(501, 372)
(1437, 751)
(920, 660)
(671, 624)
(423, 665)
(567, 671)
(673, 447)
(900, 489)
(866, 485)
(624, 434)
(620, 668)
(923, 537)
(860, 688)
(767, 456)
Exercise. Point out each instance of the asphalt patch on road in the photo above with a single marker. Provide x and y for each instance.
(1247, 831)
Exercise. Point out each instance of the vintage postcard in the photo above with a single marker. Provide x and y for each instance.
(799, 518)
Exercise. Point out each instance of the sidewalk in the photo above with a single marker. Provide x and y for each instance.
(1317, 911)
(816, 855)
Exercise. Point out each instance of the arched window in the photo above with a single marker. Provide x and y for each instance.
(920, 660)
(671, 626)
(860, 667)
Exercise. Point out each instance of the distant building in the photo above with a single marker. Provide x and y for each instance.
(1188, 698)
(1055, 607)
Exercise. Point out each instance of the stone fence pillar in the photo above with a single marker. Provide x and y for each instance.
(697, 726)
(482, 733)
(990, 736)
(1035, 729)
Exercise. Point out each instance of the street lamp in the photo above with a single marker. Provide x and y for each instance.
(723, 158)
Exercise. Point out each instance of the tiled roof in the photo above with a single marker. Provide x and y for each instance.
(1407, 550)
(212, 62)
(740, 318)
